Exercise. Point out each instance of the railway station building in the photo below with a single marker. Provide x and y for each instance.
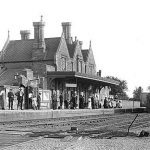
(52, 66)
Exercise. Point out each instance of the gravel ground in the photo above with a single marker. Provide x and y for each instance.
(85, 142)
(80, 143)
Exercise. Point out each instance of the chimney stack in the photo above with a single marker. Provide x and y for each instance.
(81, 43)
(100, 73)
(25, 34)
(38, 51)
(39, 35)
(66, 27)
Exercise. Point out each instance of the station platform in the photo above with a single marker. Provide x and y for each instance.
(18, 115)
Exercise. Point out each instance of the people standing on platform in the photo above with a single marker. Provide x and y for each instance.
(10, 99)
(2, 94)
(61, 100)
(34, 102)
(105, 103)
(66, 103)
(21, 98)
(110, 105)
(30, 99)
(96, 101)
(93, 102)
(66, 100)
(99, 104)
(89, 103)
(20, 95)
(114, 103)
(73, 101)
(18, 98)
(119, 104)
(54, 100)
(81, 102)
(39, 101)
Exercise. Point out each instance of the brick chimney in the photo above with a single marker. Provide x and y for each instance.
(66, 27)
(39, 43)
(81, 43)
(25, 34)
(99, 73)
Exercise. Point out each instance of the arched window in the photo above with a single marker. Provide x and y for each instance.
(63, 64)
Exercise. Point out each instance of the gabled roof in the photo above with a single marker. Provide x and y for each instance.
(71, 49)
(8, 76)
(85, 53)
(21, 50)
(51, 47)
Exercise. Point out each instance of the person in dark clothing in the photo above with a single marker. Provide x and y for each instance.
(81, 102)
(38, 101)
(18, 99)
(61, 100)
(54, 100)
(30, 99)
(73, 101)
(92, 101)
(2, 93)
(105, 103)
(66, 103)
(10, 99)
(21, 98)
(19, 95)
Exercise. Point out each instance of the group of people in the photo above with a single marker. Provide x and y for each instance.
(112, 103)
(93, 102)
(11, 95)
(68, 104)
(33, 101)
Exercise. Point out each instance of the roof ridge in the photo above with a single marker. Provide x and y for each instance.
(33, 39)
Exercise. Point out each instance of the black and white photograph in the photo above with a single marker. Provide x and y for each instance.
(74, 75)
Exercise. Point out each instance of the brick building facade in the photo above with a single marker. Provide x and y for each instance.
(55, 61)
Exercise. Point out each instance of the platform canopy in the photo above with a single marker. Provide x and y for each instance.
(69, 74)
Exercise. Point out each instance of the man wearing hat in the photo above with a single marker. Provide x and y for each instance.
(10, 99)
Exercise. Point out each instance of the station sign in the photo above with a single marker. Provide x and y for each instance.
(71, 85)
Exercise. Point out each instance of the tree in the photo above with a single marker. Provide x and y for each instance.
(119, 90)
(148, 102)
(148, 88)
(137, 93)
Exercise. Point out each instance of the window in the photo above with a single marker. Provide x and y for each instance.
(63, 64)
(80, 66)
(90, 69)
(72, 66)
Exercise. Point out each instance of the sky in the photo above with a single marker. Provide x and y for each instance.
(119, 31)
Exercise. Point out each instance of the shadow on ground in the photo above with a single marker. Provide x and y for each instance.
(97, 134)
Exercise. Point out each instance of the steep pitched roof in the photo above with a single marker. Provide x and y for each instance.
(21, 50)
(18, 50)
(51, 47)
(71, 49)
(8, 76)
(85, 53)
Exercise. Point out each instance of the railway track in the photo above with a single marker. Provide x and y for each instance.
(99, 126)
(98, 122)
(65, 121)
